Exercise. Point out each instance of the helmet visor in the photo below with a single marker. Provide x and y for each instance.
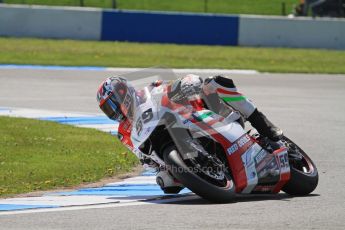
(112, 110)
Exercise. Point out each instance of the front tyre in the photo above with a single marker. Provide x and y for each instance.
(210, 191)
(303, 172)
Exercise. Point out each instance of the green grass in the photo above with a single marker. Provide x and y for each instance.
(264, 7)
(122, 54)
(40, 155)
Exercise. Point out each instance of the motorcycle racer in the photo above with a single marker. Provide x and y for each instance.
(118, 100)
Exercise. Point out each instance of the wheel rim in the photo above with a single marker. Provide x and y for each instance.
(213, 174)
(304, 165)
(298, 158)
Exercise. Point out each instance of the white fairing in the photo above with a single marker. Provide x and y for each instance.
(228, 127)
(147, 116)
(248, 159)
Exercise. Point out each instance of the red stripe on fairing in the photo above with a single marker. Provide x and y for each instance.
(214, 121)
(237, 165)
(279, 150)
(235, 160)
(187, 115)
(217, 136)
(125, 129)
(220, 90)
(284, 178)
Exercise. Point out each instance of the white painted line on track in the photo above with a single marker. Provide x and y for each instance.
(98, 206)
(136, 180)
(59, 200)
(64, 117)
(38, 113)
(105, 128)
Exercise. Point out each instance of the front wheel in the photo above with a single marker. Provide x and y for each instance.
(215, 190)
(303, 172)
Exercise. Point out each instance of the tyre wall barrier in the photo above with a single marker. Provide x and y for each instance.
(292, 32)
(50, 22)
(163, 27)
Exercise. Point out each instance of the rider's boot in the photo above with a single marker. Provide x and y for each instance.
(265, 127)
(168, 183)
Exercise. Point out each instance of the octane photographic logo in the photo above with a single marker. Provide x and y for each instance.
(196, 170)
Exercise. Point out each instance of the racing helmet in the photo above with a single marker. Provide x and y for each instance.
(115, 98)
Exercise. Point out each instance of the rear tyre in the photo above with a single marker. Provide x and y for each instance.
(303, 172)
(200, 186)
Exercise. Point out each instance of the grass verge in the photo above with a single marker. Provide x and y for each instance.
(265, 7)
(41, 155)
(124, 54)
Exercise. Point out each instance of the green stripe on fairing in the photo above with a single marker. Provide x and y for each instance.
(203, 116)
(240, 98)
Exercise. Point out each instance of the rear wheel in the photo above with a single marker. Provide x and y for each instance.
(303, 172)
(206, 182)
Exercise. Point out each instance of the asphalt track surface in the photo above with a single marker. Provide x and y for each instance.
(309, 108)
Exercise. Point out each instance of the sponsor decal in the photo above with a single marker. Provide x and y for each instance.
(139, 126)
(264, 162)
(147, 115)
(233, 148)
(187, 121)
(284, 162)
(261, 155)
(252, 175)
(135, 139)
(147, 131)
(263, 188)
(243, 140)
(239, 144)
(246, 157)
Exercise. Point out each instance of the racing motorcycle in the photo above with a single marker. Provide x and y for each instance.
(211, 153)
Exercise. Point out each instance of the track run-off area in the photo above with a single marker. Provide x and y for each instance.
(309, 108)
